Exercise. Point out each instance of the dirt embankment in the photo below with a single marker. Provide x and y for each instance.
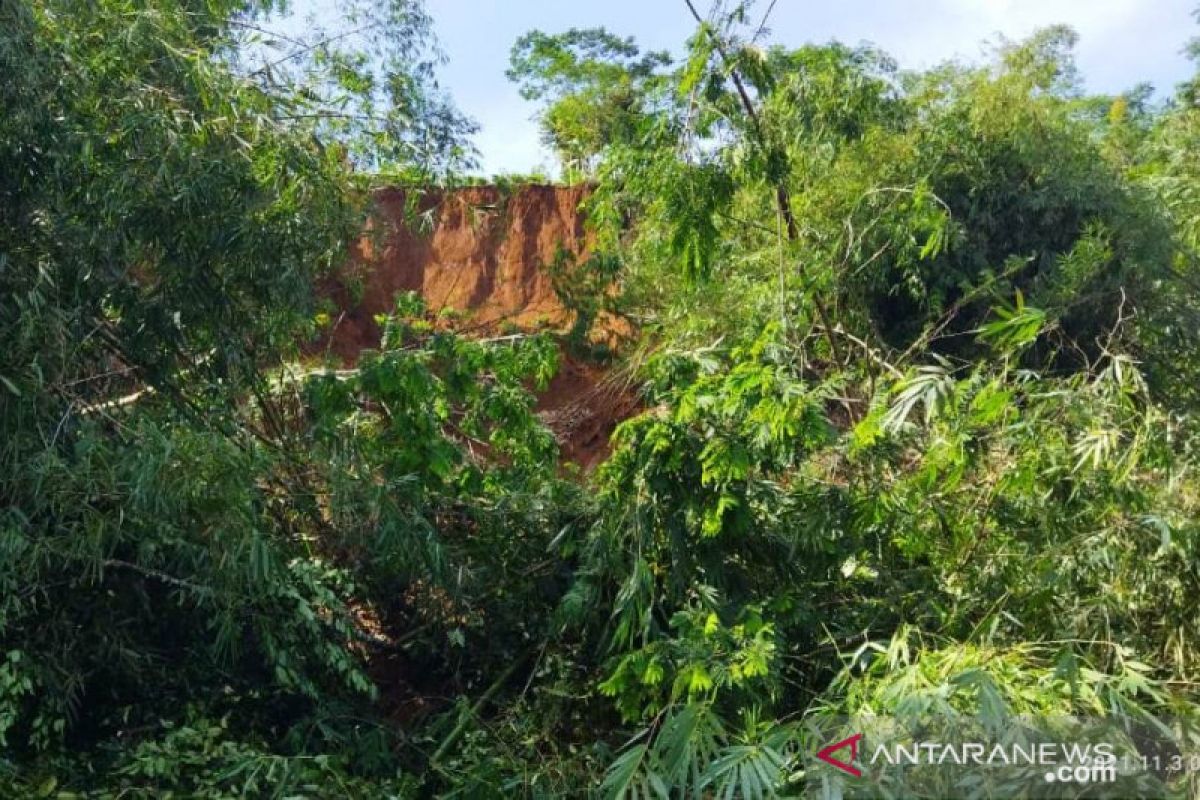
(487, 255)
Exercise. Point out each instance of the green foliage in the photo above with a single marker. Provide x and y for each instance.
(160, 230)
(919, 370)
(177, 524)
(695, 755)
(988, 467)
(200, 759)
(586, 289)
(431, 425)
(362, 77)
(1020, 522)
(595, 86)
(910, 204)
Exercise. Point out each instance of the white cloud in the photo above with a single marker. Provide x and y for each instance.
(1121, 41)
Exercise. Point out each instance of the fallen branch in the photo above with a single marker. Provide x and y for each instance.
(465, 718)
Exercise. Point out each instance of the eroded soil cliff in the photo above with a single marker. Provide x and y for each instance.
(486, 261)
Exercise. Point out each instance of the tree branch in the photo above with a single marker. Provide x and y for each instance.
(783, 197)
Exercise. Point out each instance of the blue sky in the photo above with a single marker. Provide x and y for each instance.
(1121, 43)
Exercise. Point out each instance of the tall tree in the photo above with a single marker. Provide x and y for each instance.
(165, 209)
(595, 87)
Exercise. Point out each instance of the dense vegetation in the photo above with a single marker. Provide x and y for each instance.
(919, 352)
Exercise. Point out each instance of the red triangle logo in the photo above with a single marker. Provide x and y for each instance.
(826, 755)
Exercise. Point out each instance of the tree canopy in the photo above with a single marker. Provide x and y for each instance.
(917, 360)
(595, 87)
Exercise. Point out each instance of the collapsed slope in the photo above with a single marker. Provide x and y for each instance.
(485, 260)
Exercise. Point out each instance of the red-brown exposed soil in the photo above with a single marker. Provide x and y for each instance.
(583, 404)
(483, 253)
